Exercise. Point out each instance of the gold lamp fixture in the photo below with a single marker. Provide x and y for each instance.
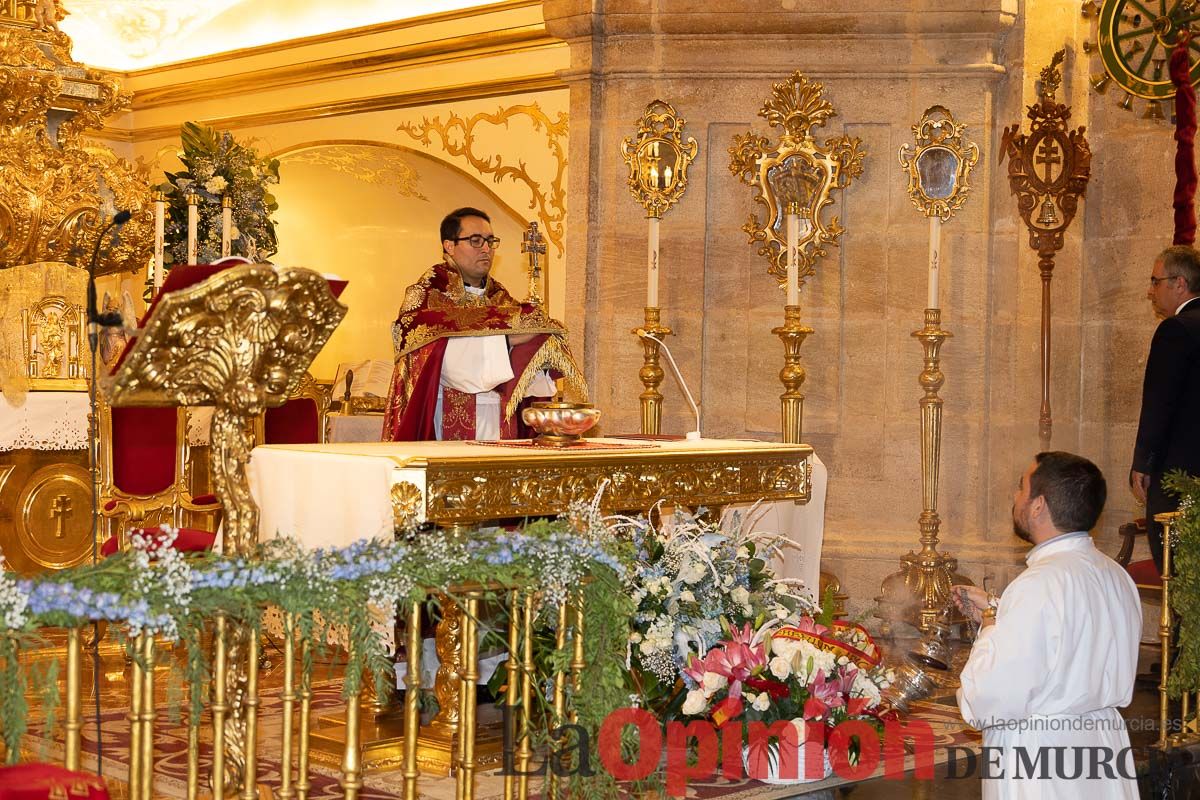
(793, 180)
(658, 158)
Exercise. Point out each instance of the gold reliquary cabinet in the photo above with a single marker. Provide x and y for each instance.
(58, 190)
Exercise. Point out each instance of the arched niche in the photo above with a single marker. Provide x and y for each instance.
(369, 212)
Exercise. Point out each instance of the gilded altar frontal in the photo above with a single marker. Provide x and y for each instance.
(359, 326)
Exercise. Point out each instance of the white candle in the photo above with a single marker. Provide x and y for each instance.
(652, 265)
(226, 226)
(793, 259)
(935, 257)
(193, 221)
(159, 226)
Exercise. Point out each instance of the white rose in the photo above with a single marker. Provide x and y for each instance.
(781, 667)
(714, 683)
(743, 553)
(784, 647)
(686, 596)
(216, 184)
(740, 596)
(695, 703)
(762, 702)
(691, 571)
(781, 613)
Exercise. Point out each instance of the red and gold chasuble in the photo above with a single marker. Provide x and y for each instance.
(438, 307)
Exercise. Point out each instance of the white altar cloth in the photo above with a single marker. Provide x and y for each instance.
(45, 421)
(804, 525)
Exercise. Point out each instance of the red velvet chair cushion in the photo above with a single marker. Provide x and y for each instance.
(294, 422)
(189, 540)
(46, 781)
(143, 449)
(205, 500)
(1144, 573)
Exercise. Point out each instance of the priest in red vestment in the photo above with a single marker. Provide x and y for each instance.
(469, 356)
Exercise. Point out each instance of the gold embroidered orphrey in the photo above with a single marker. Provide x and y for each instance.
(797, 171)
(658, 158)
(1048, 171)
(57, 190)
(939, 164)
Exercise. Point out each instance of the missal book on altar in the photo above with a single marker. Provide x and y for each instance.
(372, 378)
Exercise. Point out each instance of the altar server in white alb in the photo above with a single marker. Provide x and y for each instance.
(1057, 653)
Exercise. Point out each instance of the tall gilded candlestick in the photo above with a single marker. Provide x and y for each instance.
(160, 213)
(938, 170)
(658, 158)
(193, 220)
(226, 226)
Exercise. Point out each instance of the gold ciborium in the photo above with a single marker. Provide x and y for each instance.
(560, 424)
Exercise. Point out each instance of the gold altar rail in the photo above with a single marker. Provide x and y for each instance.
(1173, 730)
(236, 654)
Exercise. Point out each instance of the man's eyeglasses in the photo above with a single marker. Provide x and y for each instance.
(477, 241)
(1156, 281)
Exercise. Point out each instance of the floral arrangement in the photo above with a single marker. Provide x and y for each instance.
(217, 166)
(1185, 582)
(692, 581)
(154, 589)
(807, 672)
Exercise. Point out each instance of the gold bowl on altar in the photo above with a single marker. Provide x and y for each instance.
(560, 424)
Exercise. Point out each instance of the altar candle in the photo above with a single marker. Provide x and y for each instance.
(193, 221)
(793, 257)
(226, 225)
(159, 228)
(652, 265)
(935, 257)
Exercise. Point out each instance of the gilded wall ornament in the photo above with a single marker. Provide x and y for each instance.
(458, 138)
(658, 158)
(797, 170)
(57, 191)
(1048, 171)
(939, 164)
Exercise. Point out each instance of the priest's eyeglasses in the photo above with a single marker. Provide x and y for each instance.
(477, 241)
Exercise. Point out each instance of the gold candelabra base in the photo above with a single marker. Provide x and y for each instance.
(651, 373)
(793, 333)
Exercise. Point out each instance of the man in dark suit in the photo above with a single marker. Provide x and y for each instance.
(1168, 436)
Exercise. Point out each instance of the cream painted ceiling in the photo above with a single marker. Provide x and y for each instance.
(137, 34)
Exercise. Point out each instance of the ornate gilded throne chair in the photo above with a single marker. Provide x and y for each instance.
(303, 419)
(143, 458)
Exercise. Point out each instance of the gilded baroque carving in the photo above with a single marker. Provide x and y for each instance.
(458, 138)
(939, 165)
(658, 158)
(796, 170)
(239, 341)
(467, 495)
(370, 164)
(406, 507)
(51, 206)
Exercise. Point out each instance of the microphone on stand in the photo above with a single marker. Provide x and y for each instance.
(642, 332)
(109, 319)
(96, 321)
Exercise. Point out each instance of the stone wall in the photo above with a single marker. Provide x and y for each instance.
(882, 64)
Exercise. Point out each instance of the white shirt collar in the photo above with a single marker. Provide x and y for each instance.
(1055, 544)
(1184, 303)
(475, 290)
